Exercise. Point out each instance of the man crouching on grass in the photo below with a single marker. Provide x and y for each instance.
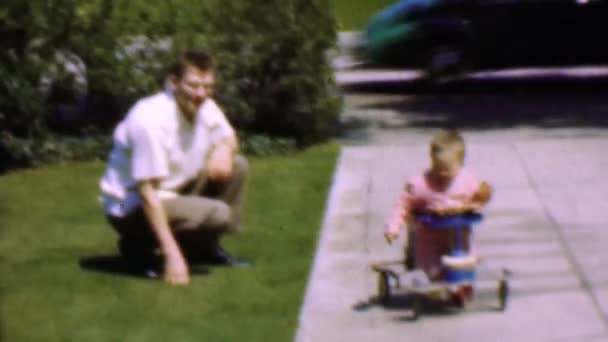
(174, 183)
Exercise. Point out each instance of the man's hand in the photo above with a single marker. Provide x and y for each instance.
(176, 271)
(220, 163)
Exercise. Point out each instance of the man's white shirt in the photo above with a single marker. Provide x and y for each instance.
(155, 141)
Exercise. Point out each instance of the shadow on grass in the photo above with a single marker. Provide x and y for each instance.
(119, 266)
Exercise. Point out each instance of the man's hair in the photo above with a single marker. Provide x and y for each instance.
(448, 140)
(198, 58)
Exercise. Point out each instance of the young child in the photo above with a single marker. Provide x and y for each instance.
(447, 188)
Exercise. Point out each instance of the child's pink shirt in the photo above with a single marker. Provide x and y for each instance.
(418, 195)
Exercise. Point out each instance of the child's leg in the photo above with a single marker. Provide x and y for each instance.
(430, 246)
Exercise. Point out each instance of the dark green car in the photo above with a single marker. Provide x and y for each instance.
(453, 36)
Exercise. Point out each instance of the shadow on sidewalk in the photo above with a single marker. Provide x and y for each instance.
(549, 102)
(481, 85)
(428, 307)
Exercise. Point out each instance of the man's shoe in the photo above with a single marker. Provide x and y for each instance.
(222, 258)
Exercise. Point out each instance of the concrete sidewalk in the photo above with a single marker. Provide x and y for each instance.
(547, 223)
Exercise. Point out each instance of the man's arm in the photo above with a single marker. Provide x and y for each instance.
(149, 163)
(221, 159)
(176, 270)
(224, 144)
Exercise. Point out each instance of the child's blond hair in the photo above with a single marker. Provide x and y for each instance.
(448, 141)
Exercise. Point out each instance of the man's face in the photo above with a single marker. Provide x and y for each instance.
(192, 89)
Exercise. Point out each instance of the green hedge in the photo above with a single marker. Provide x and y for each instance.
(274, 76)
(54, 148)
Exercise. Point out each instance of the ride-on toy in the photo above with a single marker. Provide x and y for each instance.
(458, 284)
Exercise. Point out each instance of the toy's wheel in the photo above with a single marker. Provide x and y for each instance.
(384, 290)
(416, 308)
(503, 294)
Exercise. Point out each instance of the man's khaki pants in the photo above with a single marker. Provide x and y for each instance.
(198, 217)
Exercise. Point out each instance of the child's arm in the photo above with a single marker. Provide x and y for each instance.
(399, 216)
(472, 202)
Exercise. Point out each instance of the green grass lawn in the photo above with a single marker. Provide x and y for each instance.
(352, 15)
(50, 221)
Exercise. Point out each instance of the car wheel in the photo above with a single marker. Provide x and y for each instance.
(445, 64)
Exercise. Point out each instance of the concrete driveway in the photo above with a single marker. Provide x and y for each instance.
(541, 143)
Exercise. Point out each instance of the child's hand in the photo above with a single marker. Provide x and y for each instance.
(480, 198)
(483, 194)
(391, 236)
